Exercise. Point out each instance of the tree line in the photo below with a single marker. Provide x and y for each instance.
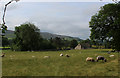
(28, 38)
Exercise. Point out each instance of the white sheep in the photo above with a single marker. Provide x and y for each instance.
(33, 56)
(90, 59)
(111, 55)
(101, 58)
(61, 54)
(46, 56)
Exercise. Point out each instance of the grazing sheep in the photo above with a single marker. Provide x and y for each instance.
(67, 55)
(90, 59)
(61, 54)
(101, 58)
(3, 55)
(46, 56)
(111, 55)
(33, 56)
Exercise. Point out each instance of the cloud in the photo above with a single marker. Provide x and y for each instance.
(59, 18)
(13, 21)
(65, 20)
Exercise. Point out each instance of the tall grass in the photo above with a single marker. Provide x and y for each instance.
(23, 64)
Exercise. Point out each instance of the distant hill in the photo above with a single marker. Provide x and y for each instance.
(10, 34)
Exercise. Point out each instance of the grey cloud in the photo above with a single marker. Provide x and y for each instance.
(63, 26)
(71, 20)
(13, 21)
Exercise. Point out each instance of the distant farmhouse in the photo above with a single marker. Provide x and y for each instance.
(82, 46)
(78, 47)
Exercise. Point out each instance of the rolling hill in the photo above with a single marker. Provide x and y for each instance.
(10, 34)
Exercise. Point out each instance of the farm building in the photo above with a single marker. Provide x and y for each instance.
(78, 47)
(82, 46)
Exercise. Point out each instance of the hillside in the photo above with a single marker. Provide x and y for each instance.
(10, 34)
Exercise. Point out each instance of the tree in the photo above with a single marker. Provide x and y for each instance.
(57, 42)
(86, 43)
(73, 43)
(65, 44)
(47, 45)
(27, 38)
(105, 25)
(4, 41)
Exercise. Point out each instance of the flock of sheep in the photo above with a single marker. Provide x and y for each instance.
(87, 59)
(97, 59)
(60, 55)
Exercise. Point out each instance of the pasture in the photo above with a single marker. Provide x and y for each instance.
(34, 64)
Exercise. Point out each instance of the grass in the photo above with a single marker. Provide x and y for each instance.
(23, 64)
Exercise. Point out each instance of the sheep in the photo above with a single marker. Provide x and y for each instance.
(101, 58)
(3, 55)
(90, 59)
(67, 55)
(111, 55)
(33, 56)
(61, 54)
(46, 56)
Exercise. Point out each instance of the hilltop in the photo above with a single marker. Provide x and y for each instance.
(46, 35)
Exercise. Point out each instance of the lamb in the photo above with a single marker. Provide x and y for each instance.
(46, 56)
(67, 55)
(61, 54)
(101, 58)
(111, 55)
(3, 55)
(90, 59)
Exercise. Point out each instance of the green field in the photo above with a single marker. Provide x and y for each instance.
(33, 63)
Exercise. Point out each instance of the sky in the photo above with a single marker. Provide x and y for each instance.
(63, 18)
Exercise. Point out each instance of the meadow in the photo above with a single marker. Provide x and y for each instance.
(34, 64)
